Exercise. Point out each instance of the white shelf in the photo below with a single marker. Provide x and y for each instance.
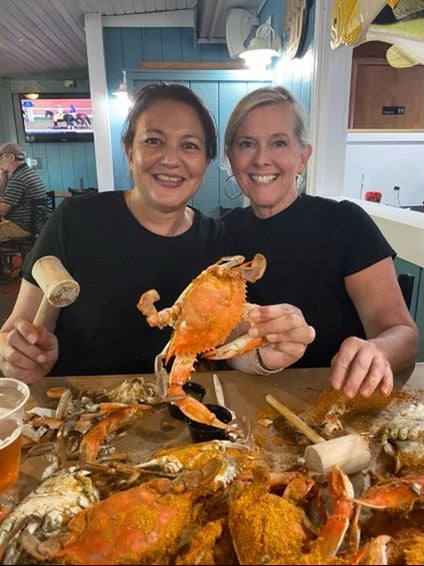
(382, 136)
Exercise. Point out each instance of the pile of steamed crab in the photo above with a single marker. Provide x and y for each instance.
(219, 502)
(214, 503)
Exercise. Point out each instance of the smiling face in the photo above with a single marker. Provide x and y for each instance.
(167, 157)
(266, 157)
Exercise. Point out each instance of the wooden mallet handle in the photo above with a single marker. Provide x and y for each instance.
(294, 420)
(59, 288)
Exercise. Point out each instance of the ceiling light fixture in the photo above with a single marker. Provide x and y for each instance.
(262, 48)
(32, 95)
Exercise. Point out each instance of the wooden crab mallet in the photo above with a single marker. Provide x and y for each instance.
(59, 288)
(350, 452)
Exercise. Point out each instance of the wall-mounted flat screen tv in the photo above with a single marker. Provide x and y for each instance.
(57, 118)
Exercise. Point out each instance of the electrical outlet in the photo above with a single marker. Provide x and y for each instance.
(34, 162)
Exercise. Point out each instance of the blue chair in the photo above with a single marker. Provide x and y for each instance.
(406, 283)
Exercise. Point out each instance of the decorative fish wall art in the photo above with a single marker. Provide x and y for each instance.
(352, 25)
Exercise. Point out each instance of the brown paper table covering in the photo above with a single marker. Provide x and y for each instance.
(245, 394)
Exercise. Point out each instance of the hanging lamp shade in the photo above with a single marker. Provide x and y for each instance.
(262, 48)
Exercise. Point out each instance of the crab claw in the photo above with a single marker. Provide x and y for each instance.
(240, 345)
(373, 552)
(254, 269)
(198, 412)
(399, 493)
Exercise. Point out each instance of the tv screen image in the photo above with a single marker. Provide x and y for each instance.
(57, 118)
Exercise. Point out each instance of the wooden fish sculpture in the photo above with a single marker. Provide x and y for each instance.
(407, 39)
(352, 25)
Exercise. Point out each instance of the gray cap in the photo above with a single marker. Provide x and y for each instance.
(14, 149)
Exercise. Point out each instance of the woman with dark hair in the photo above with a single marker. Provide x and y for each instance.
(118, 244)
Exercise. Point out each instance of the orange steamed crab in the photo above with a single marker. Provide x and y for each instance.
(146, 524)
(203, 317)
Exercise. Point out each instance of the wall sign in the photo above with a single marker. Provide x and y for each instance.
(391, 110)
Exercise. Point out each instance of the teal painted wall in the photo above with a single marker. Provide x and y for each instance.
(125, 49)
(64, 165)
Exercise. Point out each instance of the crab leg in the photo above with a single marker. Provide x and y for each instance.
(154, 317)
(373, 552)
(399, 493)
(240, 345)
(91, 442)
(198, 412)
(193, 409)
(180, 374)
(333, 532)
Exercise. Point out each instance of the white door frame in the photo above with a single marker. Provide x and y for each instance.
(329, 107)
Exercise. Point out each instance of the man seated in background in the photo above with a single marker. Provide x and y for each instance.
(23, 185)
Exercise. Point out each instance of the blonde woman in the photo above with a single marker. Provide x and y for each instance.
(328, 258)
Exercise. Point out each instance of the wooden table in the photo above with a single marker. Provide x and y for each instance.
(244, 393)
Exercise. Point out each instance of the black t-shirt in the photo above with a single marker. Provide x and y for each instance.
(115, 259)
(310, 247)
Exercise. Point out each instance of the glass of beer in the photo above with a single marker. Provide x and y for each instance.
(13, 396)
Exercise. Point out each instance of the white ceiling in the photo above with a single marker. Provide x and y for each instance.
(46, 36)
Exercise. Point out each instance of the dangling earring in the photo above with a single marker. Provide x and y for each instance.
(231, 189)
(300, 183)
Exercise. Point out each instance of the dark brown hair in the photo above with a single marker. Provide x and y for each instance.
(153, 93)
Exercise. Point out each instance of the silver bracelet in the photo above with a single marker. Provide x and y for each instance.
(259, 367)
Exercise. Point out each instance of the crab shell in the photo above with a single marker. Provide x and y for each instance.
(46, 510)
(403, 437)
(213, 304)
(202, 318)
(141, 525)
(130, 527)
